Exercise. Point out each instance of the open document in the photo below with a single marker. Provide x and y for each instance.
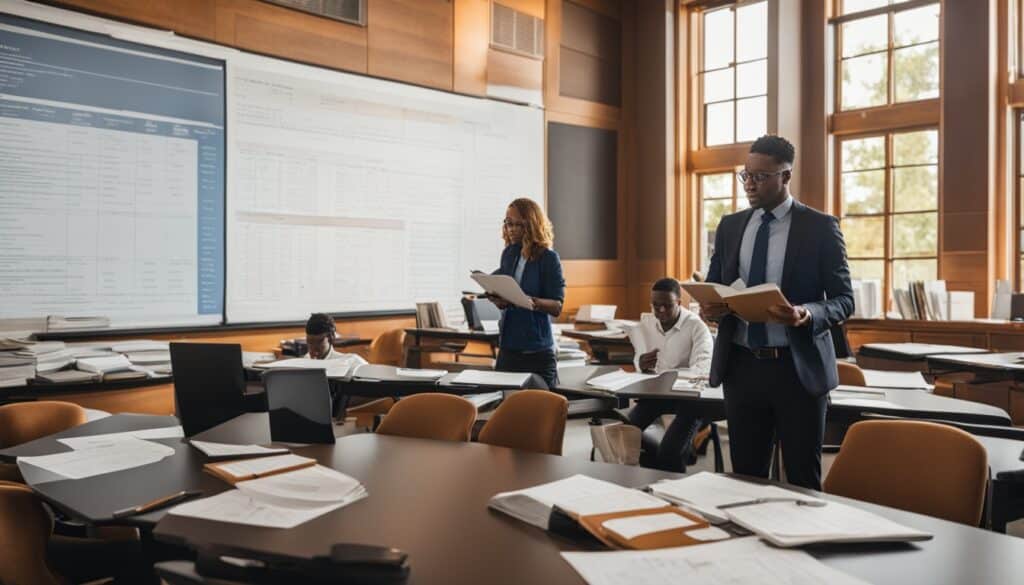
(332, 368)
(744, 560)
(705, 493)
(503, 286)
(751, 304)
(278, 501)
(617, 380)
(101, 457)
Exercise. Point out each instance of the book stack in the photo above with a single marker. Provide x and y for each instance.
(930, 301)
(61, 323)
(15, 370)
(431, 316)
(570, 357)
(867, 299)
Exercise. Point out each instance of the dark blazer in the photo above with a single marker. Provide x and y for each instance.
(523, 330)
(814, 274)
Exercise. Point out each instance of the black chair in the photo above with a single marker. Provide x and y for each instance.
(300, 407)
(478, 310)
(209, 383)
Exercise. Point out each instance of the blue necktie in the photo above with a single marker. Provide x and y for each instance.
(757, 334)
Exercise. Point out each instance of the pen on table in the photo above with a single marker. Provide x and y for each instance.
(157, 503)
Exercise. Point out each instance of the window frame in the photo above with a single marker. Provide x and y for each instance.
(700, 136)
(890, 10)
(699, 190)
(888, 213)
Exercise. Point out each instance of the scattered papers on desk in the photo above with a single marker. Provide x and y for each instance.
(278, 501)
(246, 469)
(862, 391)
(503, 286)
(615, 381)
(39, 348)
(68, 377)
(919, 349)
(101, 458)
(578, 495)
(211, 449)
(420, 374)
(135, 345)
(744, 560)
(104, 365)
(490, 326)
(149, 357)
(596, 313)
(485, 399)
(175, 432)
(691, 387)
(489, 378)
(333, 368)
(632, 526)
(610, 333)
(905, 380)
(252, 358)
(789, 524)
(704, 492)
(866, 402)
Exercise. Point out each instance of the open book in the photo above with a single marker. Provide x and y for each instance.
(751, 304)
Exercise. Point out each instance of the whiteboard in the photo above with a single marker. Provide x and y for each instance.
(353, 194)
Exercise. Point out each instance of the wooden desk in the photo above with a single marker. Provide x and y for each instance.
(427, 340)
(994, 378)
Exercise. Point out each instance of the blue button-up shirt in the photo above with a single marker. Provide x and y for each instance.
(778, 235)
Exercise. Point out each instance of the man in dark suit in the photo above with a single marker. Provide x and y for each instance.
(776, 376)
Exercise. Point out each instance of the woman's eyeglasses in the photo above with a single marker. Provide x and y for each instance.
(513, 224)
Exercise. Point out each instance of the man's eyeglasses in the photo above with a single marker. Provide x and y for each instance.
(512, 224)
(744, 176)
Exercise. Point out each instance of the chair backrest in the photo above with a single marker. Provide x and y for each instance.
(25, 529)
(209, 384)
(917, 466)
(531, 420)
(299, 402)
(850, 374)
(22, 422)
(478, 310)
(387, 348)
(430, 416)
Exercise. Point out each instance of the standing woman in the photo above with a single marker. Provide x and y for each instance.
(527, 344)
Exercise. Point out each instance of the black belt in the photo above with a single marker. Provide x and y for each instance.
(765, 353)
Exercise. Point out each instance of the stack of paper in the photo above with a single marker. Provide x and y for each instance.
(578, 495)
(140, 345)
(744, 560)
(420, 374)
(211, 449)
(67, 377)
(61, 323)
(489, 378)
(104, 365)
(278, 501)
(867, 299)
(100, 457)
(615, 381)
(705, 492)
(16, 370)
(595, 313)
(333, 368)
(887, 379)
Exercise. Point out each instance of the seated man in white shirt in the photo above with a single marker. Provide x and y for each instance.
(320, 336)
(679, 340)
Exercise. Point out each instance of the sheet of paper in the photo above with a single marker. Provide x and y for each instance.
(711, 533)
(333, 368)
(634, 526)
(263, 465)
(866, 403)
(742, 560)
(236, 507)
(489, 378)
(615, 381)
(211, 449)
(788, 524)
(175, 432)
(884, 379)
(423, 374)
(585, 495)
(140, 345)
(490, 326)
(101, 458)
(504, 286)
(317, 484)
(705, 492)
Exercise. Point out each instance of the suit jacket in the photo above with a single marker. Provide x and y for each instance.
(814, 274)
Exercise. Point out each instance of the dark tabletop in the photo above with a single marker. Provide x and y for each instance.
(430, 333)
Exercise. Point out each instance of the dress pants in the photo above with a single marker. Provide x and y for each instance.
(543, 363)
(675, 445)
(765, 400)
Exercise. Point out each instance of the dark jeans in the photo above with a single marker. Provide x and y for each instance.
(674, 449)
(542, 363)
(764, 399)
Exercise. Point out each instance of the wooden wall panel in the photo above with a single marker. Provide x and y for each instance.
(277, 31)
(814, 139)
(471, 38)
(191, 18)
(963, 232)
(594, 272)
(145, 400)
(411, 40)
(508, 70)
(595, 295)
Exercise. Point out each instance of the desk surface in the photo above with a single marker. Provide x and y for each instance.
(901, 402)
(1010, 362)
(463, 334)
(429, 498)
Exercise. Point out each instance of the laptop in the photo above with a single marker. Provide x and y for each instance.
(209, 383)
(300, 406)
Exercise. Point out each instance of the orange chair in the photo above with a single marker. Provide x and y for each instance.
(917, 466)
(430, 416)
(850, 374)
(22, 422)
(388, 348)
(531, 420)
(366, 414)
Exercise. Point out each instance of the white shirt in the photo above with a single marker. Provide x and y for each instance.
(778, 236)
(353, 360)
(687, 344)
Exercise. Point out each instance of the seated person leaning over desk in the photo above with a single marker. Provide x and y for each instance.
(320, 337)
(679, 339)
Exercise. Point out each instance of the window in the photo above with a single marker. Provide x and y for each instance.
(888, 197)
(719, 195)
(886, 56)
(734, 73)
(1019, 171)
